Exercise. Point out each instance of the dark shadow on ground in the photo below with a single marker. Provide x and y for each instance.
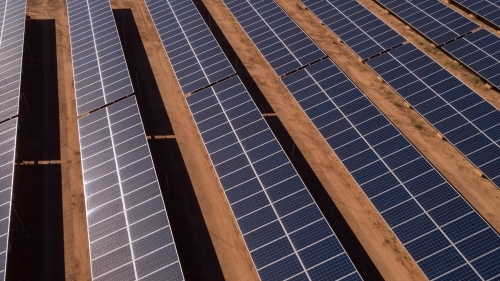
(36, 240)
(39, 105)
(332, 214)
(196, 252)
(153, 113)
(241, 70)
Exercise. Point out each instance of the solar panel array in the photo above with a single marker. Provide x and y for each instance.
(467, 120)
(196, 57)
(99, 69)
(284, 230)
(436, 21)
(447, 238)
(8, 133)
(480, 51)
(487, 9)
(12, 20)
(282, 43)
(129, 231)
(440, 230)
(363, 32)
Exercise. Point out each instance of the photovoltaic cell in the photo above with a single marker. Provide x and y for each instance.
(364, 33)
(445, 236)
(436, 21)
(469, 122)
(278, 38)
(12, 20)
(8, 133)
(129, 231)
(284, 230)
(100, 72)
(487, 9)
(196, 57)
(480, 51)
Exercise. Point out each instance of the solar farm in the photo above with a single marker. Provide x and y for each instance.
(250, 140)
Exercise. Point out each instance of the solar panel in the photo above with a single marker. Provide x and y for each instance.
(128, 227)
(8, 132)
(284, 230)
(12, 20)
(100, 72)
(480, 51)
(364, 33)
(487, 9)
(283, 44)
(446, 237)
(468, 121)
(436, 21)
(196, 57)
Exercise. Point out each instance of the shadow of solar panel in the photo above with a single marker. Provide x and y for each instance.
(487, 9)
(12, 20)
(8, 133)
(284, 230)
(283, 44)
(195, 56)
(363, 32)
(436, 21)
(480, 51)
(129, 232)
(99, 69)
(469, 122)
(430, 218)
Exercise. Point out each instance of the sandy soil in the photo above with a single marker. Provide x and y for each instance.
(77, 265)
(228, 242)
(389, 256)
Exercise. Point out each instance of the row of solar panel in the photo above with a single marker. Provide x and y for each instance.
(12, 23)
(99, 69)
(283, 228)
(129, 232)
(195, 56)
(414, 199)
